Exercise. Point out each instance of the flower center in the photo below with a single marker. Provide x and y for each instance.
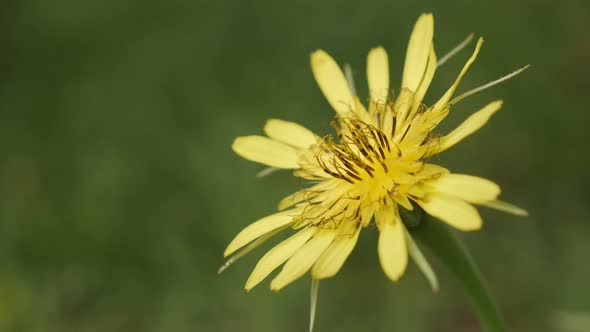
(361, 151)
(368, 160)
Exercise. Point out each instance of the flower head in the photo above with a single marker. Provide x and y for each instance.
(377, 164)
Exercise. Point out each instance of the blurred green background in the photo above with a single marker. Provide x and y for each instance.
(119, 190)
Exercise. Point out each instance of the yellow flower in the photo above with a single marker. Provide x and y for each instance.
(377, 165)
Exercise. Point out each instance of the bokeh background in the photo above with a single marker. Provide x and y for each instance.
(119, 190)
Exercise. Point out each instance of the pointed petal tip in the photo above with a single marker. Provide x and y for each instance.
(392, 248)
(275, 287)
(378, 52)
(417, 52)
(378, 74)
(426, 19)
(477, 224)
(332, 82)
(318, 57)
(235, 143)
(270, 121)
(377, 49)
(475, 228)
(497, 103)
(395, 278)
(426, 16)
(317, 54)
(227, 251)
(249, 285)
(453, 211)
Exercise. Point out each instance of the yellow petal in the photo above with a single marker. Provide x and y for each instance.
(332, 82)
(259, 228)
(378, 74)
(303, 259)
(293, 199)
(402, 108)
(306, 194)
(442, 103)
(454, 211)
(251, 246)
(334, 257)
(393, 253)
(362, 112)
(472, 189)
(366, 215)
(266, 151)
(472, 124)
(290, 133)
(418, 52)
(415, 191)
(403, 201)
(431, 171)
(387, 122)
(278, 255)
(506, 207)
(426, 80)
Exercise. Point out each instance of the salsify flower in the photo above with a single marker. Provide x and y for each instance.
(376, 166)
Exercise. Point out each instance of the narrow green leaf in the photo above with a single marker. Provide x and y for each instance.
(421, 261)
(439, 238)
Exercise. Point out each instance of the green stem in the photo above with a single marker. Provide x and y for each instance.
(454, 255)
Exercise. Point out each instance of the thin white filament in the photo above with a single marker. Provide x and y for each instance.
(506, 207)
(267, 171)
(315, 286)
(488, 85)
(349, 78)
(455, 50)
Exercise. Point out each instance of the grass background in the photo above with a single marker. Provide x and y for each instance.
(119, 190)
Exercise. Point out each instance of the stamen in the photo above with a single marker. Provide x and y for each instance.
(360, 148)
(488, 85)
(369, 170)
(454, 51)
(384, 140)
(394, 124)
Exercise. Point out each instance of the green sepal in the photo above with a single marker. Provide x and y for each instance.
(451, 252)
